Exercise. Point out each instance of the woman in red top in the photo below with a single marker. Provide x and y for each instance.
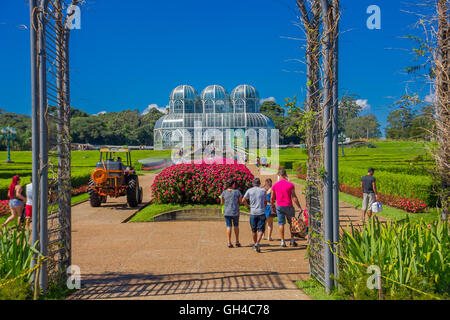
(16, 200)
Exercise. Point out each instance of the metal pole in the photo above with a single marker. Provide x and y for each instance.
(34, 129)
(8, 138)
(43, 147)
(335, 148)
(327, 190)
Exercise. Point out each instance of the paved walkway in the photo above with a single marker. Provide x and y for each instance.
(179, 259)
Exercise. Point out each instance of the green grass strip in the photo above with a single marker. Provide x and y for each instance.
(315, 290)
(147, 214)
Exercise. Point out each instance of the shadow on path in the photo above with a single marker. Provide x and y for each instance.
(129, 285)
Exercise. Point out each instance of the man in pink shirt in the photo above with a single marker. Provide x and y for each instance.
(283, 193)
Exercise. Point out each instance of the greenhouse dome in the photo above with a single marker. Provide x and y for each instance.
(214, 109)
(215, 99)
(245, 98)
(184, 99)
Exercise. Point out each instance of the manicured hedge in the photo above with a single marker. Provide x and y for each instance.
(404, 185)
(391, 180)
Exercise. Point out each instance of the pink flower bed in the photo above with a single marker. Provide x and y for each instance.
(4, 207)
(198, 183)
(413, 206)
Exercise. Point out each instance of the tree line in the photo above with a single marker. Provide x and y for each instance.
(128, 127)
(410, 119)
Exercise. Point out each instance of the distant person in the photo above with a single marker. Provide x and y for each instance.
(269, 214)
(369, 189)
(257, 198)
(283, 193)
(264, 161)
(16, 200)
(230, 199)
(258, 162)
(121, 165)
(29, 205)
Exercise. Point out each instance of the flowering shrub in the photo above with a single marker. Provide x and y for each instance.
(409, 205)
(4, 207)
(414, 206)
(198, 183)
(80, 190)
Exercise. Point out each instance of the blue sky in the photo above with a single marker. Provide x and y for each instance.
(131, 54)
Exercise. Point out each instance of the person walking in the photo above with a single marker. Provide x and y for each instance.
(369, 189)
(283, 193)
(269, 214)
(257, 198)
(29, 205)
(230, 199)
(16, 200)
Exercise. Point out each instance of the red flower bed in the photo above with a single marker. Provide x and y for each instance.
(4, 207)
(198, 183)
(80, 190)
(409, 205)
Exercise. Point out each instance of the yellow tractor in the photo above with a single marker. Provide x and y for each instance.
(113, 178)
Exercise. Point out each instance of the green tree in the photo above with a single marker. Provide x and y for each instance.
(348, 109)
(422, 125)
(363, 127)
(400, 122)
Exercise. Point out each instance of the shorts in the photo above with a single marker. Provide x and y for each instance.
(258, 223)
(232, 220)
(15, 203)
(28, 210)
(368, 200)
(283, 213)
(269, 212)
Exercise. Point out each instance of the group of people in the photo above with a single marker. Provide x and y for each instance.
(18, 202)
(265, 204)
(261, 162)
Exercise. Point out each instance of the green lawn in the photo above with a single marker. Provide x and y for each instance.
(82, 164)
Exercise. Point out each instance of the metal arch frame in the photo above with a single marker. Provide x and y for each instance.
(40, 55)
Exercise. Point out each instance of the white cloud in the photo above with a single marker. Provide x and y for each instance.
(154, 106)
(101, 112)
(363, 103)
(267, 99)
(431, 98)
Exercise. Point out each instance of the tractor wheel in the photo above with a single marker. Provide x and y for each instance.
(104, 199)
(140, 195)
(133, 192)
(94, 197)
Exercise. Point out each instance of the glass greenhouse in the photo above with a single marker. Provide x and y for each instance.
(215, 113)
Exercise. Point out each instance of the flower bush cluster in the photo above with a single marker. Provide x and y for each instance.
(4, 207)
(198, 183)
(414, 206)
(409, 205)
(80, 190)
